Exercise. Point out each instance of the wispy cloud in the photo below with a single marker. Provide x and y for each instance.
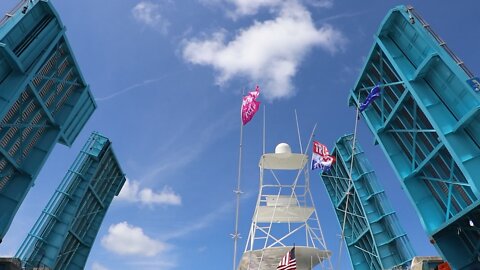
(267, 52)
(125, 239)
(149, 14)
(320, 3)
(131, 192)
(133, 87)
(341, 16)
(206, 220)
(181, 154)
(201, 223)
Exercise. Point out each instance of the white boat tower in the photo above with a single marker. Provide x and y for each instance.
(285, 216)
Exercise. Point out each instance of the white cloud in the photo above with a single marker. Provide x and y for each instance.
(166, 196)
(97, 266)
(251, 7)
(149, 13)
(268, 52)
(131, 192)
(125, 239)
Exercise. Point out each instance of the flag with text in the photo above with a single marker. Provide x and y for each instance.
(250, 105)
(321, 158)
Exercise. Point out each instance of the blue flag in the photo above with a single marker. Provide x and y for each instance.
(371, 96)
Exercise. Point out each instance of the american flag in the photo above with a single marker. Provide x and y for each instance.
(288, 261)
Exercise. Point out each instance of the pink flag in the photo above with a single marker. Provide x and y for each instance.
(250, 105)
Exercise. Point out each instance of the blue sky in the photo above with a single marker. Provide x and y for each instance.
(168, 77)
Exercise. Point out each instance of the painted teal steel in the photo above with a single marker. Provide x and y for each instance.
(373, 234)
(427, 123)
(44, 99)
(66, 230)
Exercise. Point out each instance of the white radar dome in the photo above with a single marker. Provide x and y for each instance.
(283, 148)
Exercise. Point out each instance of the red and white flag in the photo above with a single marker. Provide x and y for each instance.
(320, 149)
(321, 158)
(288, 261)
(250, 105)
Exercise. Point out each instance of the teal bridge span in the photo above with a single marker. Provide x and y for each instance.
(43, 99)
(66, 230)
(427, 122)
(373, 235)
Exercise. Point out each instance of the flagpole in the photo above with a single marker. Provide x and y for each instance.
(350, 182)
(238, 192)
(263, 129)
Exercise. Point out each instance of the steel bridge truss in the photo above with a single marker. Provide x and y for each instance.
(426, 121)
(372, 232)
(66, 230)
(44, 100)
